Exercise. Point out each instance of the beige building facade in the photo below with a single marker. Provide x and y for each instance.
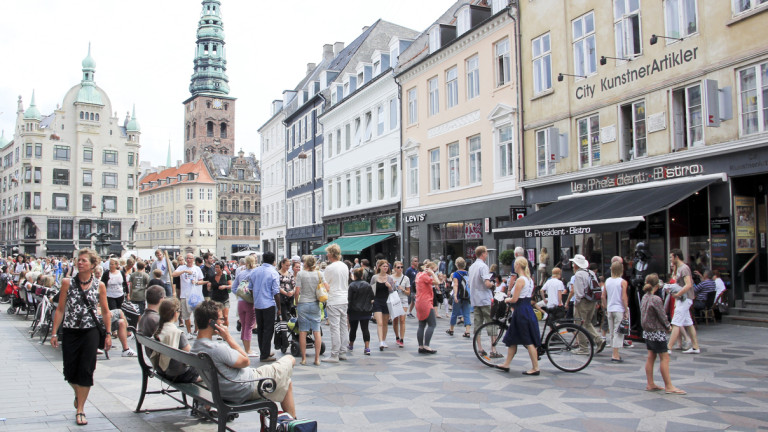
(645, 129)
(460, 142)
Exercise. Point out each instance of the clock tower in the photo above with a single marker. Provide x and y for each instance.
(209, 113)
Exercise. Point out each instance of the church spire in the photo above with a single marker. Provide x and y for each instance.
(210, 58)
(168, 160)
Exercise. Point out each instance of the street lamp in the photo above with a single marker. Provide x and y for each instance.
(102, 236)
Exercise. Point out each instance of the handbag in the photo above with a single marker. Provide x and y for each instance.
(99, 322)
(244, 292)
(395, 305)
(321, 292)
(623, 328)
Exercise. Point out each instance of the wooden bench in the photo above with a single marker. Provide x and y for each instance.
(202, 393)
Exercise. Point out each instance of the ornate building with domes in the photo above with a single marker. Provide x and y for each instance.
(69, 174)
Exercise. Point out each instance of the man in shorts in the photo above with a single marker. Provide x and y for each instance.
(480, 290)
(233, 363)
(683, 301)
(411, 274)
(121, 324)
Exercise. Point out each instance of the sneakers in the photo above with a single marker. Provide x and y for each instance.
(342, 356)
(628, 344)
(383, 345)
(129, 353)
(330, 359)
(692, 351)
(410, 315)
(400, 343)
(252, 354)
(580, 352)
(349, 347)
(367, 351)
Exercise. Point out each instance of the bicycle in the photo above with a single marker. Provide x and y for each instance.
(561, 344)
(43, 321)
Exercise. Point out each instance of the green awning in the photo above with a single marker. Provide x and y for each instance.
(353, 245)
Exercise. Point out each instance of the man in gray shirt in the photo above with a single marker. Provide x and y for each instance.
(584, 308)
(480, 290)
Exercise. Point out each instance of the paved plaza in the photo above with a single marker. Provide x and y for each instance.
(400, 390)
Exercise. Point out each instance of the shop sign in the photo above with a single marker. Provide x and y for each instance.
(357, 227)
(473, 231)
(547, 232)
(386, 223)
(421, 217)
(333, 230)
(745, 224)
(720, 247)
(659, 173)
(629, 76)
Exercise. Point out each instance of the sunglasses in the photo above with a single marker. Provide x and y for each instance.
(397, 267)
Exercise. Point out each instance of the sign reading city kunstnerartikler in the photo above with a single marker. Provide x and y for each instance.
(627, 179)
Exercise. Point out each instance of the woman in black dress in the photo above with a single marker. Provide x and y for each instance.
(219, 288)
(79, 298)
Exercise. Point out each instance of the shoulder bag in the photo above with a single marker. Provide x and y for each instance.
(321, 292)
(99, 322)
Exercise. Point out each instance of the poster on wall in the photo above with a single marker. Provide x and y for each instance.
(720, 229)
(745, 224)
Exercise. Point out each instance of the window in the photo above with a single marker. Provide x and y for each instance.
(36, 200)
(28, 150)
(434, 96)
(235, 206)
(60, 201)
(380, 120)
(202, 216)
(358, 132)
(633, 131)
(392, 114)
(380, 175)
(330, 145)
(473, 77)
(60, 176)
(190, 194)
(38, 150)
(368, 125)
(451, 87)
(501, 62)
(505, 150)
(588, 130)
(542, 64)
(202, 193)
(87, 202)
(67, 228)
(347, 138)
(27, 174)
(53, 229)
(463, 22)
(330, 195)
(740, 6)
(358, 187)
(319, 162)
(223, 205)
(109, 180)
(453, 165)
(129, 205)
(434, 39)
(110, 157)
(109, 204)
(369, 182)
(475, 169)
(680, 18)
(61, 152)
(87, 155)
(393, 177)
(210, 216)
(413, 105)
(626, 23)
(210, 194)
(38, 174)
(209, 129)
(27, 200)
(222, 227)
(584, 52)
(687, 117)
(223, 130)
(130, 158)
(413, 175)
(348, 181)
(753, 92)
(434, 170)
(545, 164)
(190, 216)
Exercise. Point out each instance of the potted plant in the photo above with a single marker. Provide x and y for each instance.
(506, 258)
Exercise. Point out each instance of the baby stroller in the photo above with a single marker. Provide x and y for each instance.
(293, 330)
(17, 303)
(131, 312)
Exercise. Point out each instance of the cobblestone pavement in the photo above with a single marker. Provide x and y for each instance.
(400, 390)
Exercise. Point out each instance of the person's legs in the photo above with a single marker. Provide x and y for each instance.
(431, 324)
(303, 346)
(401, 318)
(112, 303)
(265, 322)
(664, 369)
(694, 339)
(380, 328)
(481, 313)
(617, 340)
(396, 327)
(353, 331)
(534, 355)
(420, 333)
(245, 312)
(343, 328)
(584, 311)
(673, 337)
(366, 333)
(318, 345)
(288, 403)
(454, 315)
(464, 311)
(511, 351)
(225, 314)
(334, 316)
(384, 325)
(651, 385)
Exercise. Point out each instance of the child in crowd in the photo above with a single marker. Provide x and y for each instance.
(655, 327)
(552, 293)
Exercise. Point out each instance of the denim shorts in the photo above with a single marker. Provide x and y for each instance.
(308, 316)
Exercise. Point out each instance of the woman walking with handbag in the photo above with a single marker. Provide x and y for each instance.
(83, 332)
(382, 284)
(287, 286)
(308, 307)
(425, 312)
(616, 305)
(245, 310)
(403, 287)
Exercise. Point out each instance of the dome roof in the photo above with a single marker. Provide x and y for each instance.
(89, 94)
(88, 62)
(32, 112)
(133, 124)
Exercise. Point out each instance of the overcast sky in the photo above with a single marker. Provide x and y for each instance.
(144, 50)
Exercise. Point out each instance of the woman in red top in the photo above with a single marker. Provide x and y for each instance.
(424, 310)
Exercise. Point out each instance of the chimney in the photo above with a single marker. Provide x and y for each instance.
(178, 163)
(337, 47)
(310, 68)
(328, 52)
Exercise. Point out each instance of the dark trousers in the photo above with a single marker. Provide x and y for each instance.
(115, 302)
(353, 330)
(265, 329)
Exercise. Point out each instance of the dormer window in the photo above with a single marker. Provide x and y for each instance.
(434, 39)
(498, 5)
(463, 21)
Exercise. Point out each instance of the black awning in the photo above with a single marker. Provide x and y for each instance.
(617, 211)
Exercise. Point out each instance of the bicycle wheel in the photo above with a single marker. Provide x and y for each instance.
(563, 350)
(36, 321)
(45, 326)
(487, 337)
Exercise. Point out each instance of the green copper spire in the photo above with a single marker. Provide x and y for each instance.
(210, 58)
(133, 125)
(3, 141)
(32, 112)
(88, 92)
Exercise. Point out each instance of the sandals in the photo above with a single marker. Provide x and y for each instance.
(449, 332)
(80, 419)
(467, 335)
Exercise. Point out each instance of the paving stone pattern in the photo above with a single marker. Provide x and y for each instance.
(400, 390)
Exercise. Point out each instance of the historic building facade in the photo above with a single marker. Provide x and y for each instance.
(70, 174)
(361, 155)
(631, 100)
(272, 158)
(178, 210)
(460, 130)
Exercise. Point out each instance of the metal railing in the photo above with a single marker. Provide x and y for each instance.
(740, 274)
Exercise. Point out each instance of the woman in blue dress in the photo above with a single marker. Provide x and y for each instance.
(523, 325)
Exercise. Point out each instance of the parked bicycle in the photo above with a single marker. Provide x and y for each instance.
(43, 320)
(560, 342)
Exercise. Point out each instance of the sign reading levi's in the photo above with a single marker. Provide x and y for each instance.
(627, 179)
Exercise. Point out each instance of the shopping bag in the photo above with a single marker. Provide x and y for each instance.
(395, 305)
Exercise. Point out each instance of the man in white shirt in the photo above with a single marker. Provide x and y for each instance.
(190, 276)
(480, 289)
(337, 277)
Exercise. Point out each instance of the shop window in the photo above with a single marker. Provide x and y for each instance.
(413, 240)
(588, 130)
(687, 117)
(626, 24)
(633, 133)
(680, 19)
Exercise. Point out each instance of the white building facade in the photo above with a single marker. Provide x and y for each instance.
(272, 158)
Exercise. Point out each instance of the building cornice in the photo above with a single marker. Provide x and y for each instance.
(474, 200)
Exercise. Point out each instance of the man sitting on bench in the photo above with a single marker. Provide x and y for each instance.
(234, 364)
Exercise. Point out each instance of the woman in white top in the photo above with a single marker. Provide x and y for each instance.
(523, 326)
(615, 303)
(116, 283)
(403, 288)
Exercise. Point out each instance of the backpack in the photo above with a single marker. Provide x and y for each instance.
(593, 292)
(462, 293)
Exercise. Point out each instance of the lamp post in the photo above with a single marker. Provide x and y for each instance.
(101, 236)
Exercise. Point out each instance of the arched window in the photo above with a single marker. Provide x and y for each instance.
(187, 136)
(188, 155)
(97, 116)
(223, 130)
(194, 130)
(91, 116)
(81, 115)
(209, 128)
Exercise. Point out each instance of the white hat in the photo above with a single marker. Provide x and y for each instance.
(296, 258)
(580, 261)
